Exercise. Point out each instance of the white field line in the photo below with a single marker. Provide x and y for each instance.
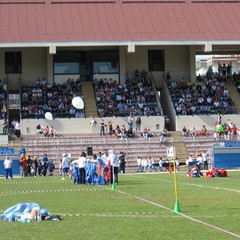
(55, 190)
(147, 201)
(12, 182)
(181, 214)
(202, 186)
(122, 215)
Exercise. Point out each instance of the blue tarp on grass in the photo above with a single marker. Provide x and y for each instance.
(15, 212)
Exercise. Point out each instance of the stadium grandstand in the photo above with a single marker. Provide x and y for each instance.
(124, 58)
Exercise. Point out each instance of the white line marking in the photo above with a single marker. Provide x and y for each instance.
(143, 215)
(181, 214)
(201, 186)
(47, 191)
(12, 182)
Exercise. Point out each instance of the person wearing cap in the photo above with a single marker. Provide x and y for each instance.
(65, 165)
(8, 167)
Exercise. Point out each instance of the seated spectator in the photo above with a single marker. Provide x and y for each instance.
(203, 131)
(52, 132)
(40, 129)
(55, 98)
(120, 132)
(72, 112)
(130, 133)
(184, 132)
(144, 133)
(46, 131)
(79, 114)
(193, 132)
(162, 139)
(123, 129)
(164, 132)
(150, 133)
(227, 135)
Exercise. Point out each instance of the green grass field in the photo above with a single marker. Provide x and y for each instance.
(141, 207)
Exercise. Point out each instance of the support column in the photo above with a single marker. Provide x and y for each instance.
(49, 67)
(192, 60)
(122, 63)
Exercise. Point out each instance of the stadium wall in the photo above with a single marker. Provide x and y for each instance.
(80, 125)
(226, 160)
(207, 120)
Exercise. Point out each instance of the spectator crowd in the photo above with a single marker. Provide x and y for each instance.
(135, 97)
(208, 96)
(55, 98)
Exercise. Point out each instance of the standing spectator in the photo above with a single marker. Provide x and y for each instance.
(219, 119)
(138, 122)
(40, 167)
(24, 164)
(122, 162)
(8, 167)
(35, 165)
(205, 160)
(29, 165)
(102, 127)
(110, 127)
(17, 129)
(65, 165)
(167, 122)
(12, 125)
(114, 167)
(160, 164)
(130, 122)
(51, 168)
(44, 165)
(139, 164)
(177, 164)
(93, 124)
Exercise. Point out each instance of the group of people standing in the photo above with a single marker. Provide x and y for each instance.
(150, 165)
(101, 168)
(107, 128)
(35, 166)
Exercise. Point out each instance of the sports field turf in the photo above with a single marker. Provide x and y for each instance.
(140, 207)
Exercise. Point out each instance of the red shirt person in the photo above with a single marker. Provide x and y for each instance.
(24, 164)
